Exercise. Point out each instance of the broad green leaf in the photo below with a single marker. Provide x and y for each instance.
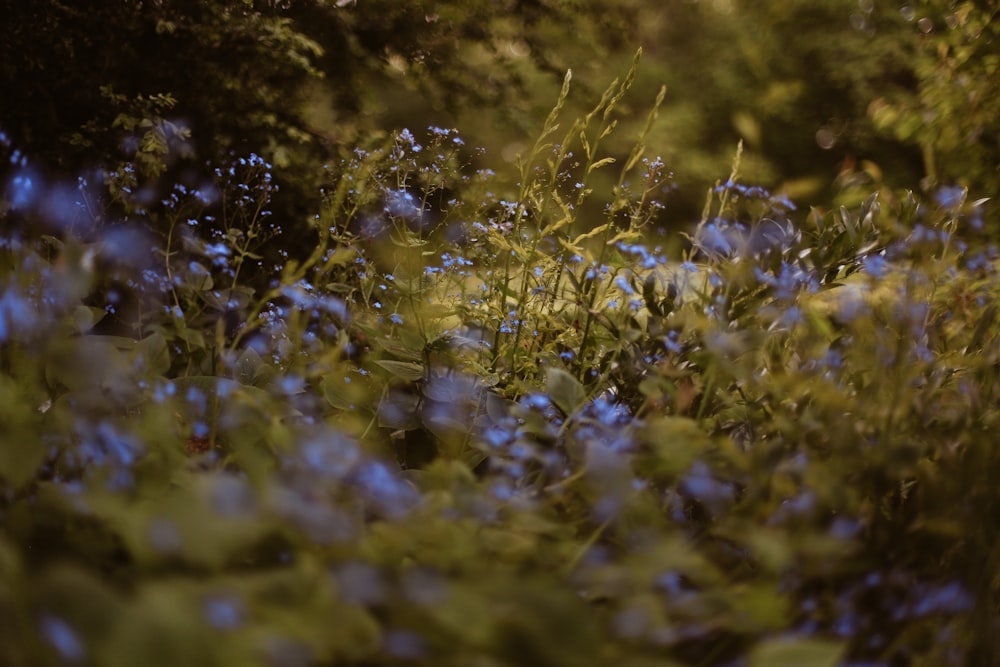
(85, 317)
(414, 353)
(564, 390)
(91, 362)
(498, 407)
(793, 652)
(263, 375)
(405, 370)
(437, 311)
(246, 366)
(192, 337)
(337, 392)
(153, 351)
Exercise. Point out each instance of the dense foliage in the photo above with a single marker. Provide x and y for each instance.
(879, 94)
(481, 418)
(179, 86)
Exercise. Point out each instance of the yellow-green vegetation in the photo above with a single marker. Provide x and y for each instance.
(462, 416)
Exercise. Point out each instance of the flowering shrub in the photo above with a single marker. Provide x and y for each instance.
(464, 430)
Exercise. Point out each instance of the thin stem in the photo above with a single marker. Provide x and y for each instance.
(548, 128)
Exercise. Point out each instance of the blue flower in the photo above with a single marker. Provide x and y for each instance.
(223, 613)
(62, 637)
(624, 285)
(950, 198)
(714, 239)
(875, 266)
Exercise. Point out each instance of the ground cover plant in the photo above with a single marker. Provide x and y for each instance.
(466, 429)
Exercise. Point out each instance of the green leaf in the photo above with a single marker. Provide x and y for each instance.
(153, 351)
(796, 653)
(263, 375)
(671, 445)
(90, 362)
(246, 366)
(337, 392)
(404, 370)
(564, 390)
(412, 352)
(437, 311)
(85, 317)
(498, 407)
(450, 432)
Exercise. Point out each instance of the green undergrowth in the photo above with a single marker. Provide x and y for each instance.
(463, 430)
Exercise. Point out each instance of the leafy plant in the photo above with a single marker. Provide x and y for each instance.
(467, 428)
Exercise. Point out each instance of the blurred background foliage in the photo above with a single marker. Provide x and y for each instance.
(831, 97)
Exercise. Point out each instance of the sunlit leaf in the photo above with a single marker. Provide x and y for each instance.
(796, 652)
(404, 370)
